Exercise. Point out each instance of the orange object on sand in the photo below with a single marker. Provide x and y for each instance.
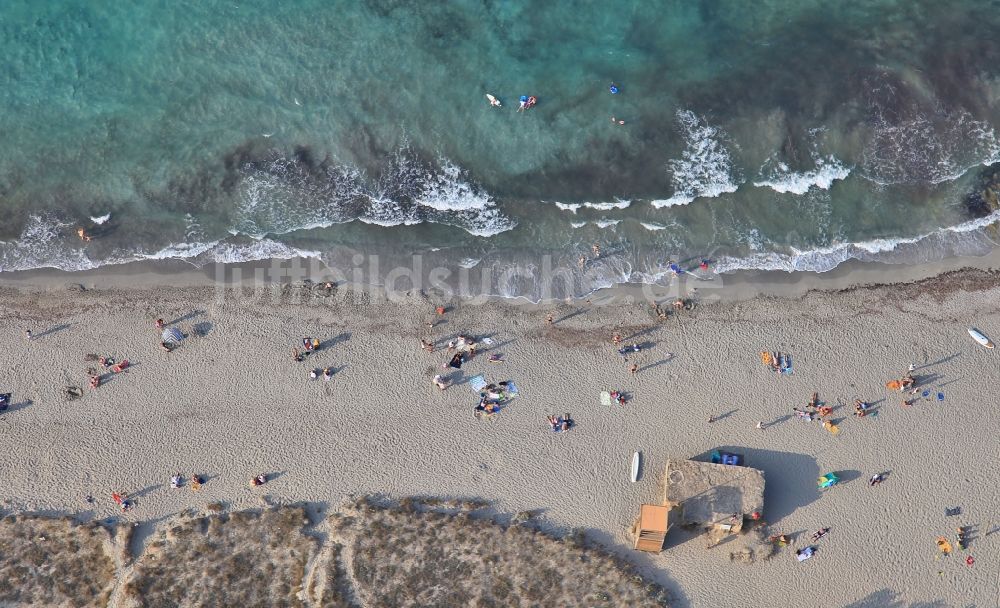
(833, 428)
(765, 357)
(944, 545)
(893, 385)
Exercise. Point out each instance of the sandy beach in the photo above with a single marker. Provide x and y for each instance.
(230, 402)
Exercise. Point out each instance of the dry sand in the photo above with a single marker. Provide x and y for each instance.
(231, 403)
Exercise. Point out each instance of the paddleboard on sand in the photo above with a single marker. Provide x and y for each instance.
(493, 100)
(979, 337)
(635, 467)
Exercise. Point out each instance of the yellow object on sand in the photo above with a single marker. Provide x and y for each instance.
(765, 358)
(893, 385)
(833, 428)
(944, 545)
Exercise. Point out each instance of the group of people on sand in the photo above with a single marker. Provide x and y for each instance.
(560, 424)
(491, 398)
(309, 345)
(816, 410)
(326, 373)
(461, 350)
(177, 481)
(312, 345)
(116, 367)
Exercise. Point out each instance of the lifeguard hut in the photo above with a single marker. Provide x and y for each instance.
(651, 529)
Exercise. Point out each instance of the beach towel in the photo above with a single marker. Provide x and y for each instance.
(511, 390)
(833, 428)
(804, 554)
(605, 398)
(765, 357)
(477, 383)
(893, 385)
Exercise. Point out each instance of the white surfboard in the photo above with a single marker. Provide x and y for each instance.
(493, 101)
(979, 337)
(635, 467)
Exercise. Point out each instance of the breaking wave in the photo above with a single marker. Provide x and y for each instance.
(785, 181)
(705, 168)
(282, 196)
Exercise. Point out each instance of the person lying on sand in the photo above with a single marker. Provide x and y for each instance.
(440, 382)
(259, 480)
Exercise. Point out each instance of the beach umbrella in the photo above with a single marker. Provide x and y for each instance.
(172, 334)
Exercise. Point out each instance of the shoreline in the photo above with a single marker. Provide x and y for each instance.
(729, 287)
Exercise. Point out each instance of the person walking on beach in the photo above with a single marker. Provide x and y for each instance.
(634, 369)
(616, 338)
(548, 320)
(427, 346)
(159, 324)
(27, 334)
(760, 425)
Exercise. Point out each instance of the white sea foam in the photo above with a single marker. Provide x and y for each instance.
(469, 262)
(571, 207)
(578, 224)
(606, 223)
(705, 168)
(100, 219)
(618, 204)
(653, 227)
(823, 259)
(44, 242)
(281, 197)
(229, 253)
(781, 179)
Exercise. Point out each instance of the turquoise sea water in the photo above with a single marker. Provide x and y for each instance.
(775, 134)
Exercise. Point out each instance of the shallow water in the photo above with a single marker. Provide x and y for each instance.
(784, 135)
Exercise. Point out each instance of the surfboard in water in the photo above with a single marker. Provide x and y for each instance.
(979, 337)
(635, 467)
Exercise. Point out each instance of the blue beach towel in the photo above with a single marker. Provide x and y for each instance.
(477, 383)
